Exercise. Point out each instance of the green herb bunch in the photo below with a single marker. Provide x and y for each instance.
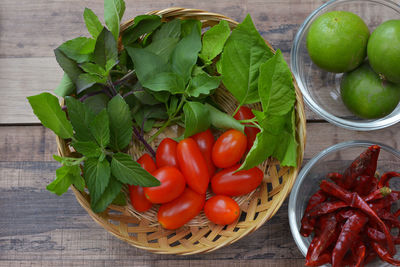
(165, 74)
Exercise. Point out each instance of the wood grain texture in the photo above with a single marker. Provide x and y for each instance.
(27, 65)
(38, 228)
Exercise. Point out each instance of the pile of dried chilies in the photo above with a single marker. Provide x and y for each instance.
(351, 217)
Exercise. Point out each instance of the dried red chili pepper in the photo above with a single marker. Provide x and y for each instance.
(336, 177)
(384, 254)
(307, 223)
(365, 184)
(323, 239)
(378, 194)
(390, 218)
(364, 164)
(349, 233)
(358, 253)
(344, 215)
(327, 207)
(354, 200)
(385, 178)
(325, 258)
(378, 236)
(385, 202)
(370, 256)
(397, 213)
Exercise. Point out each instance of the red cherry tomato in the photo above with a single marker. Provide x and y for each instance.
(172, 185)
(136, 193)
(230, 183)
(244, 113)
(193, 165)
(221, 210)
(166, 153)
(229, 148)
(205, 140)
(176, 213)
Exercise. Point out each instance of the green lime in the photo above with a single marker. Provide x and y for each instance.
(384, 50)
(337, 41)
(368, 96)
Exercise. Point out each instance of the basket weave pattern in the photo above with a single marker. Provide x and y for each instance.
(199, 235)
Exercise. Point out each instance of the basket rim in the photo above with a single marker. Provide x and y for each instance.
(284, 191)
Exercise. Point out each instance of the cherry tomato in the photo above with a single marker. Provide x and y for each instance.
(193, 165)
(229, 148)
(166, 153)
(221, 210)
(230, 183)
(136, 193)
(176, 213)
(244, 113)
(172, 185)
(205, 140)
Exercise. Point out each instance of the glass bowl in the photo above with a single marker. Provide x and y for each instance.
(334, 159)
(321, 89)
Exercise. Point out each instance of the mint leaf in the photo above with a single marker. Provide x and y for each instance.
(80, 116)
(214, 40)
(86, 81)
(112, 191)
(185, 54)
(99, 128)
(94, 69)
(97, 176)
(146, 98)
(120, 199)
(287, 153)
(65, 87)
(141, 24)
(65, 176)
(203, 84)
(171, 29)
(196, 118)
(68, 161)
(47, 108)
(78, 49)
(244, 52)
(221, 120)
(69, 66)
(97, 103)
(113, 12)
(166, 81)
(105, 51)
(120, 123)
(128, 171)
(275, 86)
(187, 26)
(163, 47)
(145, 115)
(92, 22)
(147, 64)
(87, 148)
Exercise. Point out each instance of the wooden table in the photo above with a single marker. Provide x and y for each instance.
(38, 228)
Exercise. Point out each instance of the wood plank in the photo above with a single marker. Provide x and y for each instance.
(27, 65)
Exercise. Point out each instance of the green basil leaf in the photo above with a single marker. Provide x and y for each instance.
(147, 113)
(187, 26)
(185, 54)
(128, 171)
(68, 161)
(69, 66)
(120, 199)
(146, 98)
(163, 48)
(275, 86)
(141, 24)
(97, 103)
(148, 125)
(100, 129)
(47, 108)
(221, 120)
(112, 191)
(147, 64)
(105, 51)
(196, 118)
(87, 80)
(92, 22)
(65, 87)
(166, 81)
(120, 123)
(214, 40)
(173, 105)
(97, 176)
(244, 52)
(171, 29)
(87, 148)
(113, 12)
(80, 116)
(78, 49)
(65, 176)
(93, 69)
(203, 84)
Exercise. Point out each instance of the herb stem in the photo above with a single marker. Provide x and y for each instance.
(126, 77)
(111, 86)
(145, 143)
(86, 96)
(237, 109)
(247, 121)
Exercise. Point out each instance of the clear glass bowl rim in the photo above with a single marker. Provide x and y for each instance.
(351, 125)
(303, 173)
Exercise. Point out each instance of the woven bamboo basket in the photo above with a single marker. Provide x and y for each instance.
(199, 235)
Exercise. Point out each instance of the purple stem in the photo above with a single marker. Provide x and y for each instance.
(141, 139)
(131, 92)
(83, 98)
